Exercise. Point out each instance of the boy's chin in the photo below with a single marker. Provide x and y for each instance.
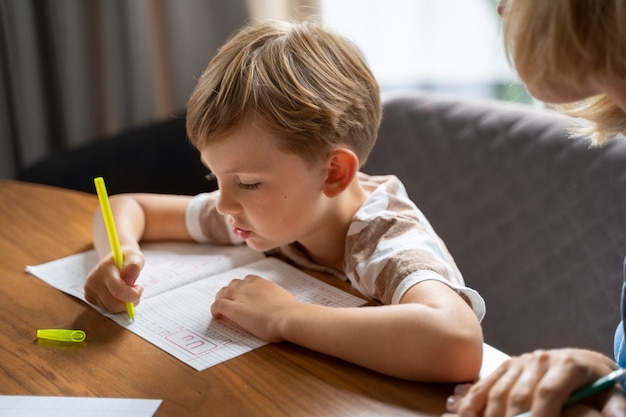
(261, 246)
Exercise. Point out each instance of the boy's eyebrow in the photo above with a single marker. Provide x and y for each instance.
(240, 170)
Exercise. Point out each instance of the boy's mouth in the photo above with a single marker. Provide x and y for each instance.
(243, 234)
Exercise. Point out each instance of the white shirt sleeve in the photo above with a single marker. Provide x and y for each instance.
(192, 217)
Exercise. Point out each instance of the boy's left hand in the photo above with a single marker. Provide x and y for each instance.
(256, 304)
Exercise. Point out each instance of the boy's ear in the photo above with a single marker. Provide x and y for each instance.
(343, 165)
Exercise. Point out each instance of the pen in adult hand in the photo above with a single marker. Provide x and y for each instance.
(107, 214)
(597, 386)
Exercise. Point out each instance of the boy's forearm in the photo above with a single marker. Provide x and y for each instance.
(410, 341)
(129, 223)
(141, 217)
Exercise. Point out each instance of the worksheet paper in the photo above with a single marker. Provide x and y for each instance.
(181, 281)
(28, 406)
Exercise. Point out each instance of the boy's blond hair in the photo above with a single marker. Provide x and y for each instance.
(569, 41)
(308, 86)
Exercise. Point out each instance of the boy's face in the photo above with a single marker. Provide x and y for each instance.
(270, 197)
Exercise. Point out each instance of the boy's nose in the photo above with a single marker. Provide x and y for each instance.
(227, 204)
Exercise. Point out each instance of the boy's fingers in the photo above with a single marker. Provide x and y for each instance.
(121, 294)
(109, 304)
(130, 273)
(217, 308)
(133, 263)
(134, 257)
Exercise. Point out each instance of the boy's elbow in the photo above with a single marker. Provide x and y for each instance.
(465, 355)
(454, 358)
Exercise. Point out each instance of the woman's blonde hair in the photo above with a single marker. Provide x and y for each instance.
(308, 86)
(565, 42)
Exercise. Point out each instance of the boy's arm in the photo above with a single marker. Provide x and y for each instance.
(142, 217)
(433, 335)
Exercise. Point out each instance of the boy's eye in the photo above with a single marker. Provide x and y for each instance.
(249, 186)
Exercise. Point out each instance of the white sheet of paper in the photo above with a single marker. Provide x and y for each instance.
(181, 280)
(27, 406)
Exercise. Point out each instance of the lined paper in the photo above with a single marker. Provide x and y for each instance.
(181, 281)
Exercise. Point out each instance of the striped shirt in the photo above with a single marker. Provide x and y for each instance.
(390, 245)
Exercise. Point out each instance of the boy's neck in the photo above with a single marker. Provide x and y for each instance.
(328, 246)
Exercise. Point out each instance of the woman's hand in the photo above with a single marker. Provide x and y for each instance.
(540, 381)
(108, 287)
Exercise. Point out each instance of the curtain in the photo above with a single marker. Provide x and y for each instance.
(284, 9)
(75, 70)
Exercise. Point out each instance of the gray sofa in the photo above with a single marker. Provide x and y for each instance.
(535, 220)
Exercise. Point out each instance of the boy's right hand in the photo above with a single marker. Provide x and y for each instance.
(108, 287)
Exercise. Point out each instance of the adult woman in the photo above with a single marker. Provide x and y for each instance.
(572, 54)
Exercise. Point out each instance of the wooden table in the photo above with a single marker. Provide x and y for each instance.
(40, 223)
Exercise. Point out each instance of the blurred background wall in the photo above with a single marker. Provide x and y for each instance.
(74, 71)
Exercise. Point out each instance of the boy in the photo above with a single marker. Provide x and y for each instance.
(284, 116)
